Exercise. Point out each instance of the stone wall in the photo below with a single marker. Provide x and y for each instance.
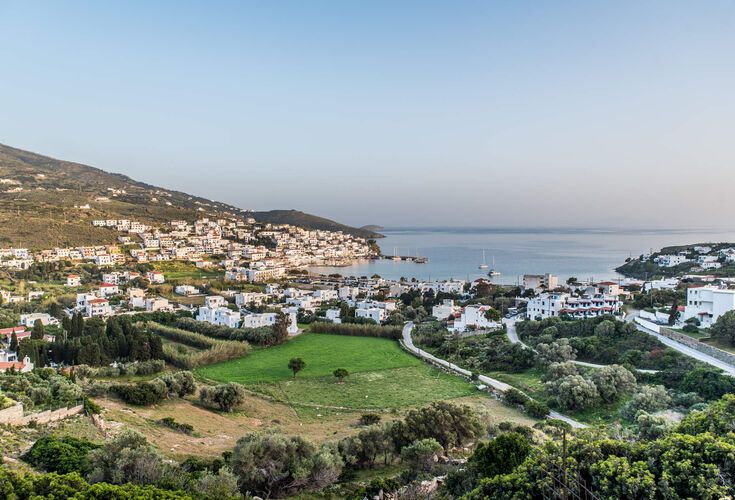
(14, 415)
(688, 341)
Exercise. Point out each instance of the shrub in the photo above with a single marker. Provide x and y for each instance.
(223, 396)
(514, 397)
(536, 409)
(62, 455)
(369, 419)
(177, 426)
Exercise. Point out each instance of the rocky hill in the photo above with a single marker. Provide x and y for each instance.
(45, 202)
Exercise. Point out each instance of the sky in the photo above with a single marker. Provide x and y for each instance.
(411, 113)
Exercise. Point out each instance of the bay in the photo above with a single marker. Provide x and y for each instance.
(585, 253)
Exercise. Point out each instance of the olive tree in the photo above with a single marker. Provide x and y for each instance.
(613, 381)
(574, 392)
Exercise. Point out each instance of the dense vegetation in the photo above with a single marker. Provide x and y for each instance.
(40, 389)
(358, 330)
(208, 350)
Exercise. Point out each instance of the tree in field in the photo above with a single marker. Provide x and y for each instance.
(613, 381)
(14, 342)
(341, 373)
(296, 365)
(724, 327)
(38, 330)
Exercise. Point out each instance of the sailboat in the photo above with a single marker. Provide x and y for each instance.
(484, 262)
(493, 271)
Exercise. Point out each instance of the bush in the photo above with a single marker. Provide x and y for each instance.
(369, 419)
(223, 396)
(177, 426)
(62, 455)
(514, 397)
(141, 393)
(536, 409)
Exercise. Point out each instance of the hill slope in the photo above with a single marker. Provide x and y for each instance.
(39, 196)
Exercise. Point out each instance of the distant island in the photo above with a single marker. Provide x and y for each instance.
(716, 259)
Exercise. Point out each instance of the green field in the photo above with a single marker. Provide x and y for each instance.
(323, 354)
(178, 271)
(382, 375)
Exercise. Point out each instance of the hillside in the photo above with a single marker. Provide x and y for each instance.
(39, 197)
(298, 218)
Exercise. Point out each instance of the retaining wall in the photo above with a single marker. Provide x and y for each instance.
(14, 415)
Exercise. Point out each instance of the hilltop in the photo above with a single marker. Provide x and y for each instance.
(46, 202)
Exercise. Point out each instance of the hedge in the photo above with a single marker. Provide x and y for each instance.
(355, 330)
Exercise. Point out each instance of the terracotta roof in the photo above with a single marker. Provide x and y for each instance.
(6, 365)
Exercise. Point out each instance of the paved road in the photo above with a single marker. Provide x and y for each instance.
(497, 384)
(706, 358)
(510, 325)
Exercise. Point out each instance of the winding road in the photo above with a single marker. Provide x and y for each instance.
(693, 353)
(496, 384)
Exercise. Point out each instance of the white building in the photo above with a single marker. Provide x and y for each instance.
(30, 319)
(550, 305)
(158, 304)
(443, 310)
(333, 315)
(108, 290)
(708, 303)
(539, 281)
(186, 290)
(670, 260)
(155, 277)
(374, 313)
(73, 280)
(474, 317)
(98, 307)
(218, 315)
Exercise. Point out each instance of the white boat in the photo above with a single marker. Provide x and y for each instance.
(484, 263)
(493, 271)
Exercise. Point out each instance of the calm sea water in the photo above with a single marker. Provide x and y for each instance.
(456, 252)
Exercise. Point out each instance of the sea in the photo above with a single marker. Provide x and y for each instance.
(456, 253)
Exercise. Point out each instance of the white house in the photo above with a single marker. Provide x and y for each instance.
(158, 304)
(30, 319)
(549, 305)
(218, 315)
(136, 297)
(98, 307)
(474, 317)
(333, 315)
(708, 303)
(108, 290)
(374, 313)
(186, 290)
(155, 277)
(73, 280)
(443, 310)
(670, 260)
(538, 281)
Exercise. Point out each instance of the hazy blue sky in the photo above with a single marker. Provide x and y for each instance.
(394, 113)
